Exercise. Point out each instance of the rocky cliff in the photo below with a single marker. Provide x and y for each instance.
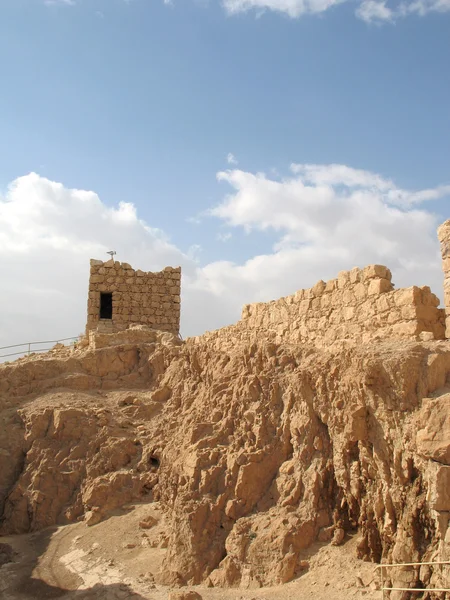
(254, 448)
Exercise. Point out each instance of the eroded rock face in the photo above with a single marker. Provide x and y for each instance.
(444, 239)
(255, 452)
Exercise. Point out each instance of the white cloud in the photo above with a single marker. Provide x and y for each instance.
(59, 2)
(423, 7)
(372, 10)
(293, 8)
(47, 235)
(375, 11)
(333, 217)
(369, 10)
(224, 237)
(341, 175)
(326, 218)
(231, 159)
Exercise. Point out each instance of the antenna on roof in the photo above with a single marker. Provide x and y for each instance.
(112, 253)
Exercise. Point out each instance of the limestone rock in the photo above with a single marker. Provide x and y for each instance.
(181, 595)
(257, 440)
(433, 435)
(148, 522)
(338, 537)
(439, 488)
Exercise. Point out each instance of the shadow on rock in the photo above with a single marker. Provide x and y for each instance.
(22, 577)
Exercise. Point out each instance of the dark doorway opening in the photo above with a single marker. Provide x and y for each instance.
(105, 305)
(154, 462)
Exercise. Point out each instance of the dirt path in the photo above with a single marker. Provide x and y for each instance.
(117, 559)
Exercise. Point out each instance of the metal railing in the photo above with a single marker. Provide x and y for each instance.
(412, 564)
(28, 346)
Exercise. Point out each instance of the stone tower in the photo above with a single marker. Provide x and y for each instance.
(444, 239)
(119, 296)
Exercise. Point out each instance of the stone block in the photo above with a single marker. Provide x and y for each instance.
(433, 429)
(382, 304)
(348, 313)
(97, 279)
(439, 487)
(379, 286)
(394, 315)
(318, 289)
(426, 336)
(429, 298)
(406, 329)
(444, 239)
(304, 306)
(331, 285)
(360, 291)
(377, 271)
(348, 298)
(408, 312)
(408, 296)
(444, 232)
(326, 301)
(447, 288)
(427, 313)
(355, 275)
(316, 305)
(343, 279)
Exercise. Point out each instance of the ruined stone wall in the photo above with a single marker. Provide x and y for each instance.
(360, 305)
(444, 238)
(152, 299)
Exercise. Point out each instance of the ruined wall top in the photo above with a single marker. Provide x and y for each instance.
(444, 239)
(120, 296)
(359, 305)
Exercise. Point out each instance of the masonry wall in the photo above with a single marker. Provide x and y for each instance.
(138, 297)
(444, 239)
(360, 305)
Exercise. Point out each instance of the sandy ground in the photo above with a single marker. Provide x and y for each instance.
(117, 559)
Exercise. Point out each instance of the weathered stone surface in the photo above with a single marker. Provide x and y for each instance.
(182, 595)
(444, 239)
(433, 435)
(255, 449)
(359, 306)
(316, 415)
(133, 297)
(439, 487)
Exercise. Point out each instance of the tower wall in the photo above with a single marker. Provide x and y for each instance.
(138, 297)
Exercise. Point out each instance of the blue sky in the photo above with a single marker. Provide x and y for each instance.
(142, 101)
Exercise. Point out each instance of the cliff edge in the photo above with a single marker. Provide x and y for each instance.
(255, 448)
